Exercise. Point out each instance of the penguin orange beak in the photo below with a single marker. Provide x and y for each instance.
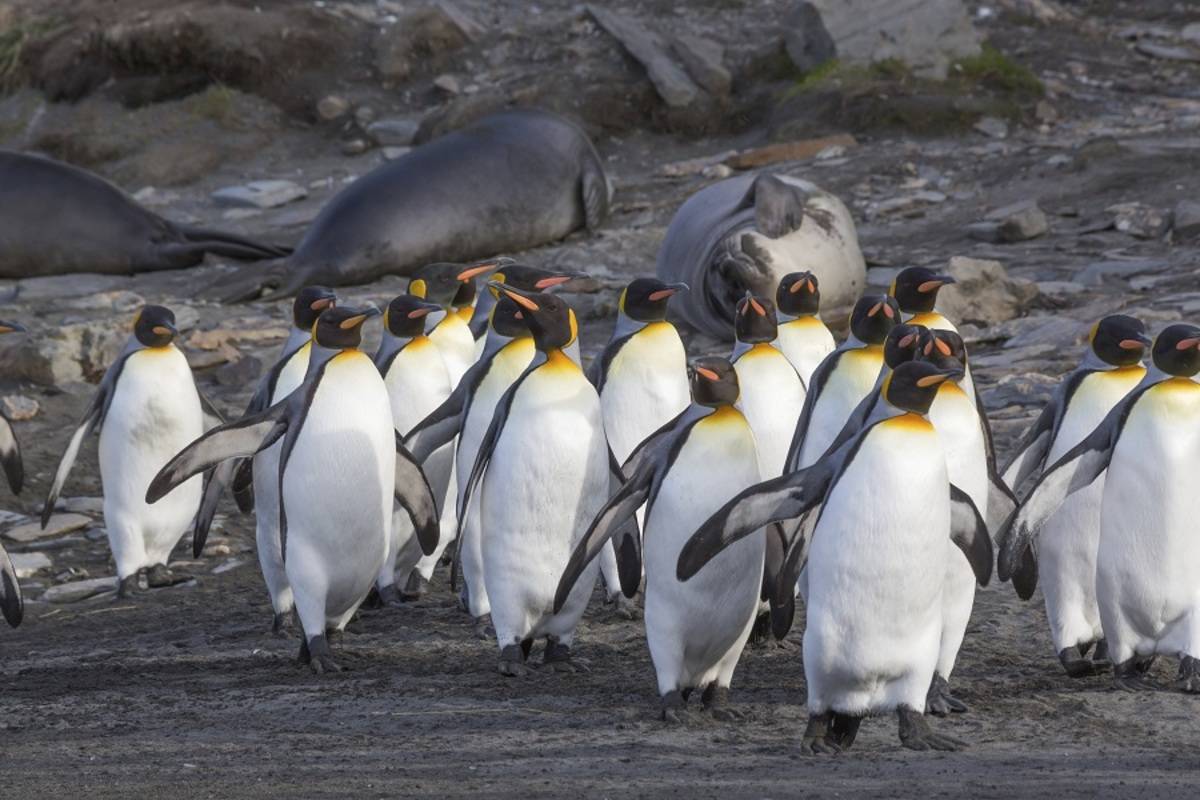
(1184, 344)
(557, 280)
(359, 318)
(934, 284)
(757, 306)
(471, 272)
(422, 310)
(881, 305)
(165, 330)
(707, 373)
(1130, 344)
(668, 291)
(322, 303)
(906, 341)
(516, 295)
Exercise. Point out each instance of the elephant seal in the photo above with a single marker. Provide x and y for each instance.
(508, 182)
(57, 219)
(745, 233)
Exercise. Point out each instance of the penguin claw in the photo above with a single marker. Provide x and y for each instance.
(160, 576)
(915, 733)
(512, 662)
(939, 701)
(279, 625)
(129, 586)
(415, 588)
(623, 608)
(1189, 675)
(1130, 675)
(818, 747)
(317, 655)
(1076, 664)
(673, 709)
(484, 628)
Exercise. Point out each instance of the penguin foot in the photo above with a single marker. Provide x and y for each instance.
(1100, 657)
(317, 655)
(464, 600)
(915, 733)
(416, 587)
(129, 586)
(673, 708)
(512, 661)
(557, 657)
(1130, 675)
(279, 624)
(623, 608)
(760, 633)
(1076, 663)
(716, 702)
(843, 731)
(389, 597)
(483, 627)
(160, 577)
(817, 740)
(1189, 675)
(939, 701)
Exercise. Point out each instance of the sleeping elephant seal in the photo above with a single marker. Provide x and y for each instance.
(508, 182)
(745, 233)
(56, 219)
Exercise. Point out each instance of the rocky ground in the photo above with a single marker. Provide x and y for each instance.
(1079, 185)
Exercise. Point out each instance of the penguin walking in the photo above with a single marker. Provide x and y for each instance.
(338, 473)
(1070, 538)
(12, 604)
(1148, 556)
(803, 337)
(642, 380)
(542, 471)
(468, 411)
(279, 381)
(843, 379)
(695, 630)
(146, 409)
(877, 562)
(772, 394)
(417, 382)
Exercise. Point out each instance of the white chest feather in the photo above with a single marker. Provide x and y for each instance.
(851, 381)
(805, 341)
(1092, 400)
(506, 367)
(956, 420)
(772, 397)
(456, 343)
(417, 383)
(292, 373)
(646, 387)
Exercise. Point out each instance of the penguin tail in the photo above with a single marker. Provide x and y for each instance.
(230, 245)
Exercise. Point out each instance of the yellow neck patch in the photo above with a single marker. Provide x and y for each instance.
(909, 422)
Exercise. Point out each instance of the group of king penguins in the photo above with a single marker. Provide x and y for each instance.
(858, 476)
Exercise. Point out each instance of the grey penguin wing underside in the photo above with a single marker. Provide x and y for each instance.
(783, 609)
(1034, 446)
(12, 606)
(627, 542)
(1001, 500)
(969, 531)
(91, 421)
(1078, 468)
(442, 424)
(415, 496)
(10, 455)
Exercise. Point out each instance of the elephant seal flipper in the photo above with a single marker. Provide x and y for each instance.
(778, 206)
(596, 196)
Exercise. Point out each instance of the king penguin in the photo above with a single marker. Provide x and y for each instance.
(772, 394)
(642, 379)
(338, 472)
(803, 337)
(542, 471)
(12, 604)
(279, 381)
(916, 292)
(843, 379)
(145, 410)
(417, 382)
(508, 349)
(695, 630)
(877, 560)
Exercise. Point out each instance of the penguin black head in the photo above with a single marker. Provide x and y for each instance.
(713, 381)
(798, 295)
(309, 303)
(754, 320)
(340, 327)
(508, 319)
(916, 289)
(873, 318)
(1119, 340)
(645, 299)
(404, 317)
(465, 296)
(902, 344)
(1177, 350)
(913, 385)
(550, 319)
(531, 279)
(155, 326)
(442, 282)
(944, 349)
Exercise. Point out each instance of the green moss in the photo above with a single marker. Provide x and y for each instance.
(13, 42)
(993, 69)
(215, 103)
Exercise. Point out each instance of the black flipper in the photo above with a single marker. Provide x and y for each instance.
(1001, 500)
(1025, 576)
(1078, 468)
(969, 531)
(231, 245)
(778, 206)
(816, 385)
(442, 424)
(650, 447)
(10, 455)
(12, 605)
(1031, 451)
(597, 371)
(91, 422)
(415, 496)
(627, 541)
(238, 439)
(215, 482)
(783, 611)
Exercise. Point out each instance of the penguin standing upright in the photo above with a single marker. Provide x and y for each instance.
(279, 381)
(803, 337)
(145, 410)
(1148, 556)
(12, 605)
(772, 394)
(417, 382)
(695, 630)
(338, 473)
(542, 471)
(877, 561)
(642, 379)
(468, 411)
(843, 379)
(1067, 544)
(916, 292)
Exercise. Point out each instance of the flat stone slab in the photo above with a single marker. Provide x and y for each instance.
(260, 194)
(57, 526)
(79, 590)
(28, 564)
